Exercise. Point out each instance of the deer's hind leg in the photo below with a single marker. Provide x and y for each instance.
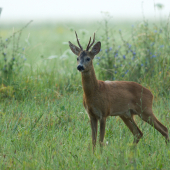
(130, 123)
(150, 118)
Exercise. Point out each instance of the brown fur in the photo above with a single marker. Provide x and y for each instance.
(114, 98)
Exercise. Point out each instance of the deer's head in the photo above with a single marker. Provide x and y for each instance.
(85, 57)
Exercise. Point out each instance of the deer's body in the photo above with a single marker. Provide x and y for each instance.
(113, 98)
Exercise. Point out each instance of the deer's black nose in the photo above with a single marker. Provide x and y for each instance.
(80, 67)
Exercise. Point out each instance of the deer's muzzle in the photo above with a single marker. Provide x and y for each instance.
(80, 68)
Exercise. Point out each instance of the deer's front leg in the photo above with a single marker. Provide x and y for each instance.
(93, 121)
(102, 130)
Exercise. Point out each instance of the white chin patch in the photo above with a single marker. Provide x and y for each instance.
(81, 70)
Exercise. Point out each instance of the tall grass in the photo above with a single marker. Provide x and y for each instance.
(144, 54)
(12, 56)
(42, 120)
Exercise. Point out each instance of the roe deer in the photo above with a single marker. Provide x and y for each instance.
(113, 98)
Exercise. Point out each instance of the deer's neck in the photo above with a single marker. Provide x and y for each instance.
(89, 82)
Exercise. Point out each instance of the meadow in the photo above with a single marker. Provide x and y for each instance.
(43, 124)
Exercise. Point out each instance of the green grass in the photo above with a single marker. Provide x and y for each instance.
(42, 120)
(48, 134)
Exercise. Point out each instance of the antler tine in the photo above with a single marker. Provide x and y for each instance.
(88, 44)
(92, 42)
(78, 41)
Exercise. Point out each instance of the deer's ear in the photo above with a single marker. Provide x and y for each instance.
(74, 49)
(96, 49)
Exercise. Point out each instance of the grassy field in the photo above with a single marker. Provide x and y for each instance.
(42, 120)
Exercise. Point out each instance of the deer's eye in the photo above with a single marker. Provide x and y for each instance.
(88, 59)
(77, 59)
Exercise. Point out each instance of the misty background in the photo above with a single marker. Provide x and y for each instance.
(16, 10)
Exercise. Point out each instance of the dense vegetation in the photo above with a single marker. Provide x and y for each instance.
(42, 120)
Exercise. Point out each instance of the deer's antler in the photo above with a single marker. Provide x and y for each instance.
(89, 45)
(78, 42)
